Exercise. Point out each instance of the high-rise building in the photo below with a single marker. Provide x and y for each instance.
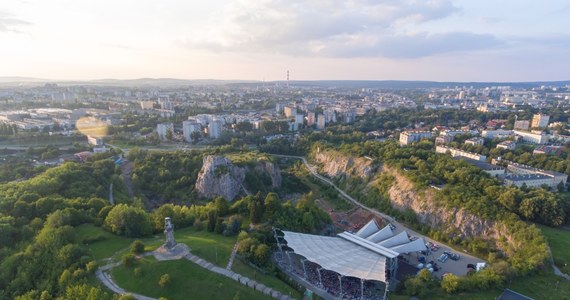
(321, 121)
(188, 127)
(540, 121)
(311, 118)
(215, 128)
(289, 111)
(163, 129)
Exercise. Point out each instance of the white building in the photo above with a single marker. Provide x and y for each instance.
(531, 137)
(188, 127)
(289, 111)
(460, 153)
(409, 137)
(475, 141)
(95, 141)
(163, 129)
(443, 139)
(507, 145)
(215, 128)
(499, 133)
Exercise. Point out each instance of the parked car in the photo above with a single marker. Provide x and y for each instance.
(453, 256)
(443, 258)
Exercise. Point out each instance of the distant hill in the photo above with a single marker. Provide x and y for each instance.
(403, 84)
(172, 82)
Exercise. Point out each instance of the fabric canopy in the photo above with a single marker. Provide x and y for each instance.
(338, 255)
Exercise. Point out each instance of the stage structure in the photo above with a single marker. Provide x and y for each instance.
(367, 258)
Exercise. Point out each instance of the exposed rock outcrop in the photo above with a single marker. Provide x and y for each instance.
(335, 164)
(220, 177)
(269, 168)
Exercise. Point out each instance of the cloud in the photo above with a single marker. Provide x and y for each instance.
(330, 28)
(10, 24)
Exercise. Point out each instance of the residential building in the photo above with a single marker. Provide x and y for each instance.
(507, 145)
(311, 120)
(454, 152)
(163, 129)
(443, 139)
(95, 141)
(476, 141)
(532, 137)
(522, 125)
(147, 104)
(493, 170)
(215, 128)
(188, 127)
(540, 121)
(321, 121)
(289, 111)
(409, 137)
(499, 133)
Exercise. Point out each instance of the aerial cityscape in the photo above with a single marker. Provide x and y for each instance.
(284, 150)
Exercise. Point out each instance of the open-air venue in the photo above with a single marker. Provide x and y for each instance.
(364, 262)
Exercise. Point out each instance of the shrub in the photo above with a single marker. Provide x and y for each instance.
(137, 247)
(164, 280)
(128, 260)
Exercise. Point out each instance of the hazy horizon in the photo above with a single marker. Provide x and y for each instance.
(440, 40)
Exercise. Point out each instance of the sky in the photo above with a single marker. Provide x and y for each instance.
(439, 40)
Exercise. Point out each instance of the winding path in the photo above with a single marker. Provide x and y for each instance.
(106, 279)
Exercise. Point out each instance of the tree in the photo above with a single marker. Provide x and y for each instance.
(128, 260)
(164, 280)
(272, 204)
(128, 221)
(137, 247)
(450, 283)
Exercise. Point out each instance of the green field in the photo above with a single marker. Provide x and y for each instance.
(110, 244)
(188, 281)
(212, 247)
(559, 242)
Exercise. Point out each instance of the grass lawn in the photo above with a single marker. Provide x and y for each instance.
(559, 242)
(110, 244)
(188, 281)
(210, 246)
(268, 280)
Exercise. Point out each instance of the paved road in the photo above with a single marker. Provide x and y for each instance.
(457, 267)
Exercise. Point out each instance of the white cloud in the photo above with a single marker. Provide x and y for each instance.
(357, 28)
(8, 23)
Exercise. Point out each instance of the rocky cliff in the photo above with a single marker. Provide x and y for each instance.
(404, 195)
(220, 177)
(335, 165)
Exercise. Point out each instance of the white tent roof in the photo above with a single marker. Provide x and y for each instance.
(381, 235)
(414, 246)
(368, 229)
(338, 255)
(398, 239)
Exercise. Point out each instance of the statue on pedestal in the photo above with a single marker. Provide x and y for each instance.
(169, 234)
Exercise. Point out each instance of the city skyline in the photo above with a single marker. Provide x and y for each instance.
(260, 40)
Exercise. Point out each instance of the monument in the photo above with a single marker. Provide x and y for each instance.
(170, 249)
(169, 234)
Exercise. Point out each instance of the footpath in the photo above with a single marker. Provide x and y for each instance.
(103, 276)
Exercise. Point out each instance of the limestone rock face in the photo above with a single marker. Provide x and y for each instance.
(335, 164)
(272, 170)
(219, 177)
